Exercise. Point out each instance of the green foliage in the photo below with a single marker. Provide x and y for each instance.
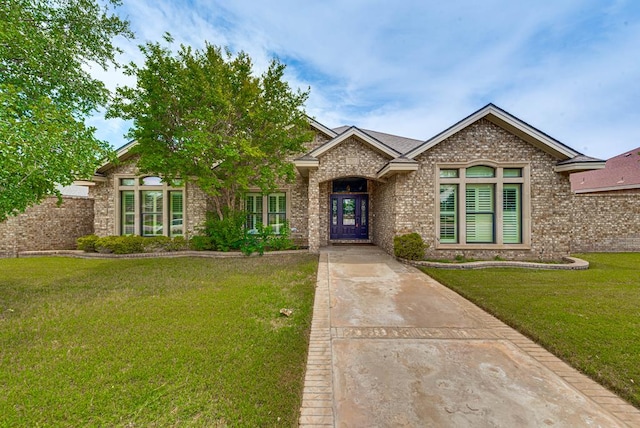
(46, 93)
(87, 243)
(227, 233)
(201, 243)
(121, 244)
(409, 246)
(204, 114)
(281, 241)
(130, 244)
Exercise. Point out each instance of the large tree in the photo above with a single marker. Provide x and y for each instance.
(204, 116)
(46, 92)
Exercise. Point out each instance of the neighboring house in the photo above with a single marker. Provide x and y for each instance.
(607, 206)
(490, 185)
(621, 172)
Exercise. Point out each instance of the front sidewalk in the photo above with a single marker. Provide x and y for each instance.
(390, 346)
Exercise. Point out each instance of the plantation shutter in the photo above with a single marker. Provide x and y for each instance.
(177, 213)
(277, 209)
(511, 214)
(128, 208)
(448, 213)
(254, 211)
(480, 213)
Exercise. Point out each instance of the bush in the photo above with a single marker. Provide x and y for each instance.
(87, 243)
(225, 233)
(131, 244)
(409, 246)
(282, 241)
(201, 243)
(121, 244)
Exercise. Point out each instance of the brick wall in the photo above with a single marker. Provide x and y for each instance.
(105, 194)
(550, 203)
(47, 226)
(606, 221)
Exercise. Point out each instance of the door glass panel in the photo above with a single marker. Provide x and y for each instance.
(363, 211)
(348, 212)
(334, 212)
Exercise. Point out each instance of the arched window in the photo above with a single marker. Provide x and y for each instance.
(482, 205)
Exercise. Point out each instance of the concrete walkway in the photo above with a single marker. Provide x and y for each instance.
(391, 347)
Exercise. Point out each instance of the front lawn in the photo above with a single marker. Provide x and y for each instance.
(154, 342)
(590, 318)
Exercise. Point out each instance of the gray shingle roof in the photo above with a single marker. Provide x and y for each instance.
(396, 142)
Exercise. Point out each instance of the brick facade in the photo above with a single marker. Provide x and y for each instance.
(555, 221)
(47, 226)
(606, 221)
(550, 202)
(105, 194)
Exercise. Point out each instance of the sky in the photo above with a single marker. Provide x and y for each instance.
(570, 68)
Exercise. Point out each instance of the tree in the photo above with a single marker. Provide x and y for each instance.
(203, 116)
(46, 92)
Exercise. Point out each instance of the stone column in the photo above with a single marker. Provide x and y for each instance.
(314, 212)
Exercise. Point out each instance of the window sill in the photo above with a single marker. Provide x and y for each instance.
(439, 246)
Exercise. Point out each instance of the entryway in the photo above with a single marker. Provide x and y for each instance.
(349, 216)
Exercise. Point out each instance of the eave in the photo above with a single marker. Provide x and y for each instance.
(579, 167)
(398, 166)
(303, 165)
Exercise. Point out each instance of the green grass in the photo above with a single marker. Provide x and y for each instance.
(154, 342)
(590, 318)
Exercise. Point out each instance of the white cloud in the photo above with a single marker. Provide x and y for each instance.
(414, 68)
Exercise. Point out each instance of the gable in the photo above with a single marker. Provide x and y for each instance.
(362, 136)
(507, 122)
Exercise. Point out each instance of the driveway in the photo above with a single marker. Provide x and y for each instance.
(392, 347)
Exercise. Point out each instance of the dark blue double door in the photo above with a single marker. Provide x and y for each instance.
(349, 216)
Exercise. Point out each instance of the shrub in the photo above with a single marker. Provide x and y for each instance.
(120, 244)
(87, 243)
(409, 246)
(225, 233)
(178, 243)
(282, 241)
(201, 243)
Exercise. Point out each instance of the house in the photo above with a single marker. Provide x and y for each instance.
(607, 206)
(490, 185)
(621, 172)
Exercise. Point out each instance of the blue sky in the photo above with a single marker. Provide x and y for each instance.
(571, 68)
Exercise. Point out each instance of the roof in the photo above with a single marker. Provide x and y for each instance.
(396, 142)
(508, 122)
(620, 172)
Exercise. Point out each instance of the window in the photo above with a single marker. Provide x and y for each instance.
(480, 213)
(275, 215)
(482, 205)
(128, 205)
(254, 211)
(449, 213)
(511, 213)
(150, 207)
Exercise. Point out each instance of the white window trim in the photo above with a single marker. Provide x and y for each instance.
(498, 180)
(137, 188)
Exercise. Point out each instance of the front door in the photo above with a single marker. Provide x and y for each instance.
(349, 217)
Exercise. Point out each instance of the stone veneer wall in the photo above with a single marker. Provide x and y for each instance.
(551, 197)
(47, 226)
(606, 221)
(105, 195)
